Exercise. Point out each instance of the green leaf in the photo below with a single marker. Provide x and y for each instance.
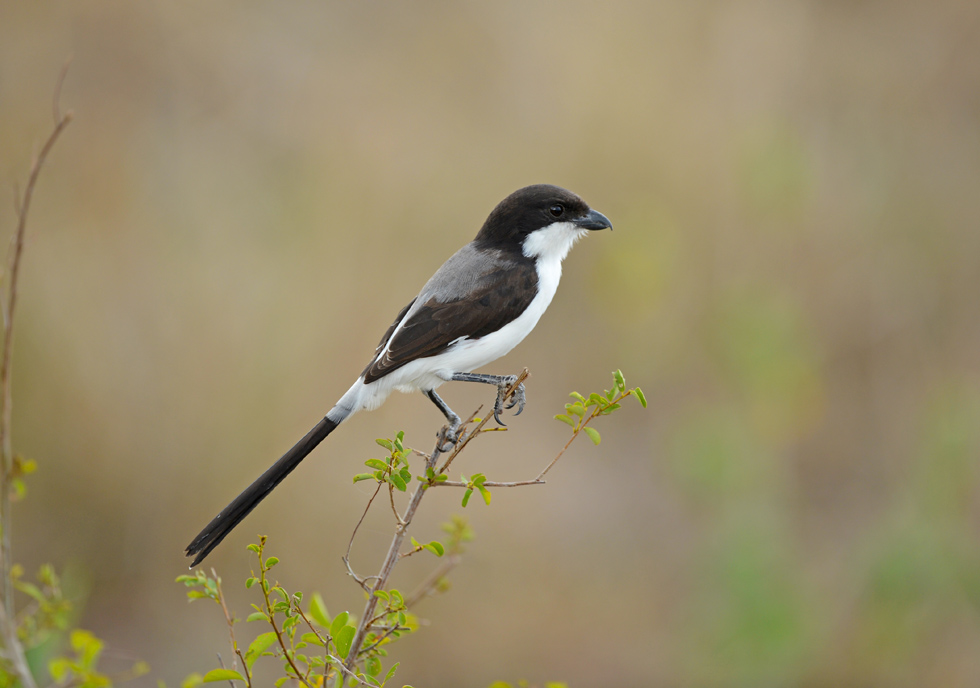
(609, 409)
(343, 640)
(391, 671)
(31, 589)
(639, 395)
(257, 616)
(372, 667)
(363, 476)
(397, 481)
(221, 675)
(280, 681)
(577, 408)
(466, 498)
(565, 419)
(578, 396)
(405, 474)
(271, 561)
(386, 444)
(312, 639)
(59, 668)
(86, 645)
(593, 435)
(620, 380)
(339, 622)
(377, 464)
(436, 548)
(381, 594)
(250, 581)
(253, 548)
(261, 643)
(318, 610)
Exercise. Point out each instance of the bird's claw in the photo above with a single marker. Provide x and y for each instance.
(517, 398)
(447, 437)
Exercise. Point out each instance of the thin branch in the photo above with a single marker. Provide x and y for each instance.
(426, 586)
(56, 99)
(489, 483)
(555, 460)
(272, 621)
(231, 630)
(14, 650)
(592, 416)
(350, 571)
(380, 639)
(391, 497)
(221, 663)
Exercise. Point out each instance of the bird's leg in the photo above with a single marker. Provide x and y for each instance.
(503, 383)
(454, 421)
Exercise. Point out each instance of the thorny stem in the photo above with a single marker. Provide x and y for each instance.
(12, 646)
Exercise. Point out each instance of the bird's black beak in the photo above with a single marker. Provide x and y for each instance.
(594, 220)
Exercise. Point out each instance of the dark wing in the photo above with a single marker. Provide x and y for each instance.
(500, 296)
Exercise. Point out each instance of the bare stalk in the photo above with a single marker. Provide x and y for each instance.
(12, 646)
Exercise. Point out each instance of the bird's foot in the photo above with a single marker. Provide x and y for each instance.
(517, 398)
(448, 436)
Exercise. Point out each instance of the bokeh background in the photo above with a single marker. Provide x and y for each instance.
(250, 191)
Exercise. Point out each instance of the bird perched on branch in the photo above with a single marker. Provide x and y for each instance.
(477, 307)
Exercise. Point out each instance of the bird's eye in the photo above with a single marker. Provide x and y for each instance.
(557, 209)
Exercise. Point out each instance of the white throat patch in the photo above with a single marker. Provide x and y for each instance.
(552, 243)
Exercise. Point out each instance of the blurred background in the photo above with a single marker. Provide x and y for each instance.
(251, 191)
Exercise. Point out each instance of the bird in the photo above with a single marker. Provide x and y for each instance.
(478, 306)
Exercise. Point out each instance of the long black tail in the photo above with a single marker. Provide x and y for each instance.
(232, 515)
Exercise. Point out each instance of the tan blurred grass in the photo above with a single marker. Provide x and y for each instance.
(792, 280)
